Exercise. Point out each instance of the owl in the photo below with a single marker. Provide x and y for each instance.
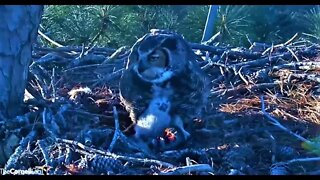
(161, 70)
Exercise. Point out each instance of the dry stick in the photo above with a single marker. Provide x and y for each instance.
(115, 55)
(212, 39)
(90, 49)
(187, 169)
(312, 65)
(293, 54)
(85, 66)
(48, 127)
(291, 39)
(82, 51)
(311, 77)
(242, 77)
(310, 35)
(218, 79)
(48, 39)
(125, 158)
(300, 160)
(75, 48)
(53, 85)
(117, 129)
(109, 77)
(262, 61)
(208, 65)
(280, 45)
(46, 156)
(229, 52)
(52, 41)
(244, 89)
(276, 123)
(303, 160)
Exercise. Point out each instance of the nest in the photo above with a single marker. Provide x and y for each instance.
(263, 115)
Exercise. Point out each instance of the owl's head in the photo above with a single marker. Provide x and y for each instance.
(159, 55)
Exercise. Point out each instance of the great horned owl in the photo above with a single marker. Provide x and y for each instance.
(161, 63)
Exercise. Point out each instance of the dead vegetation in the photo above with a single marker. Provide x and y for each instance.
(263, 116)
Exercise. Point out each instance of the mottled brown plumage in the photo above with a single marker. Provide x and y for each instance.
(164, 59)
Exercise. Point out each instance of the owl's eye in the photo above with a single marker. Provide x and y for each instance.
(158, 58)
(154, 57)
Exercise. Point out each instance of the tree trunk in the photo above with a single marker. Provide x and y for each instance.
(18, 30)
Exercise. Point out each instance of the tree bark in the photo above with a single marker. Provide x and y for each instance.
(18, 31)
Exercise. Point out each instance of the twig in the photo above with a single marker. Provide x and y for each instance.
(310, 35)
(115, 55)
(212, 62)
(117, 129)
(116, 74)
(279, 168)
(311, 65)
(291, 39)
(276, 123)
(232, 52)
(293, 54)
(146, 162)
(48, 39)
(280, 45)
(90, 49)
(213, 39)
(53, 85)
(68, 157)
(263, 61)
(248, 39)
(188, 169)
(237, 90)
(49, 124)
(42, 146)
(311, 77)
(76, 49)
(300, 160)
(85, 67)
(82, 51)
(256, 46)
(242, 77)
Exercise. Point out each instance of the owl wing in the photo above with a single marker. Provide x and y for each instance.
(134, 93)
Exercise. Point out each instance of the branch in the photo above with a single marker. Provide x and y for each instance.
(238, 90)
(117, 129)
(48, 39)
(146, 162)
(276, 123)
(187, 169)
